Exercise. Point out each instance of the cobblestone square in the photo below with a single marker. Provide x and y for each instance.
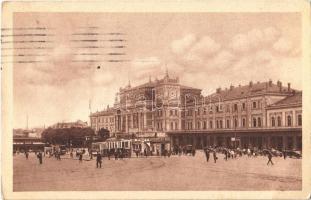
(156, 173)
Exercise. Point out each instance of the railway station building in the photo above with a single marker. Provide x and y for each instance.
(257, 115)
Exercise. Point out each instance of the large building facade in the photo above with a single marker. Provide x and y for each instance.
(242, 116)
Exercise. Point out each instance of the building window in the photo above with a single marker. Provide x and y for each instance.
(235, 107)
(254, 104)
(176, 112)
(243, 106)
(299, 120)
(228, 108)
(244, 122)
(172, 126)
(273, 122)
(289, 120)
(217, 124)
(254, 122)
(259, 122)
(235, 123)
(211, 124)
(199, 125)
(279, 121)
(227, 123)
(204, 125)
(220, 124)
(176, 125)
(171, 112)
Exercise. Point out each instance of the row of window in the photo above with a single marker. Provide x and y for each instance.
(103, 119)
(277, 121)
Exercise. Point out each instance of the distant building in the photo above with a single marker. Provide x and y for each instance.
(104, 119)
(239, 116)
(29, 139)
(77, 124)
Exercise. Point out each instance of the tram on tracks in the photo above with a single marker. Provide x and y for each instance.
(113, 145)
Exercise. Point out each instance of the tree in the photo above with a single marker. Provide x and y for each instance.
(104, 133)
(67, 136)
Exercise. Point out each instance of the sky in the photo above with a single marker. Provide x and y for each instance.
(64, 61)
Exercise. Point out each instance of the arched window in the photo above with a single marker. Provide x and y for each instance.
(176, 125)
(217, 124)
(228, 123)
(273, 121)
(254, 122)
(204, 125)
(172, 126)
(211, 124)
(199, 125)
(220, 124)
(279, 121)
(289, 120)
(299, 120)
(235, 123)
(244, 122)
(259, 122)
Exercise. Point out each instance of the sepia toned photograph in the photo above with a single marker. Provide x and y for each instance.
(156, 101)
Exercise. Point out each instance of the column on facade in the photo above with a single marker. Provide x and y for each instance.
(139, 121)
(126, 123)
(145, 119)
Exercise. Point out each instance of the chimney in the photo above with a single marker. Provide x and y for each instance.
(288, 86)
(231, 87)
(251, 84)
(218, 90)
(270, 82)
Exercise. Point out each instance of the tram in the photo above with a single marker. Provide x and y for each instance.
(112, 145)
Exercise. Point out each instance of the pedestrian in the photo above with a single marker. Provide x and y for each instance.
(207, 154)
(26, 154)
(270, 159)
(108, 154)
(98, 160)
(91, 154)
(145, 152)
(158, 153)
(193, 152)
(115, 154)
(39, 156)
(284, 154)
(226, 155)
(80, 157)
(136, 152)
(215, 156)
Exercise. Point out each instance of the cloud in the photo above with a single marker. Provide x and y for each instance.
(223, 59)
(206, 46)
(182, 45)
(254, 39)
(283, 45)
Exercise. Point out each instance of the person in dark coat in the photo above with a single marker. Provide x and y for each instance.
(270, 159)
(26, 154)
(207, 154)
(215, 156)
(80, 157)
(39, 155)
(284, 154)
(145, 153)
(115, 154)
(98, 160)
